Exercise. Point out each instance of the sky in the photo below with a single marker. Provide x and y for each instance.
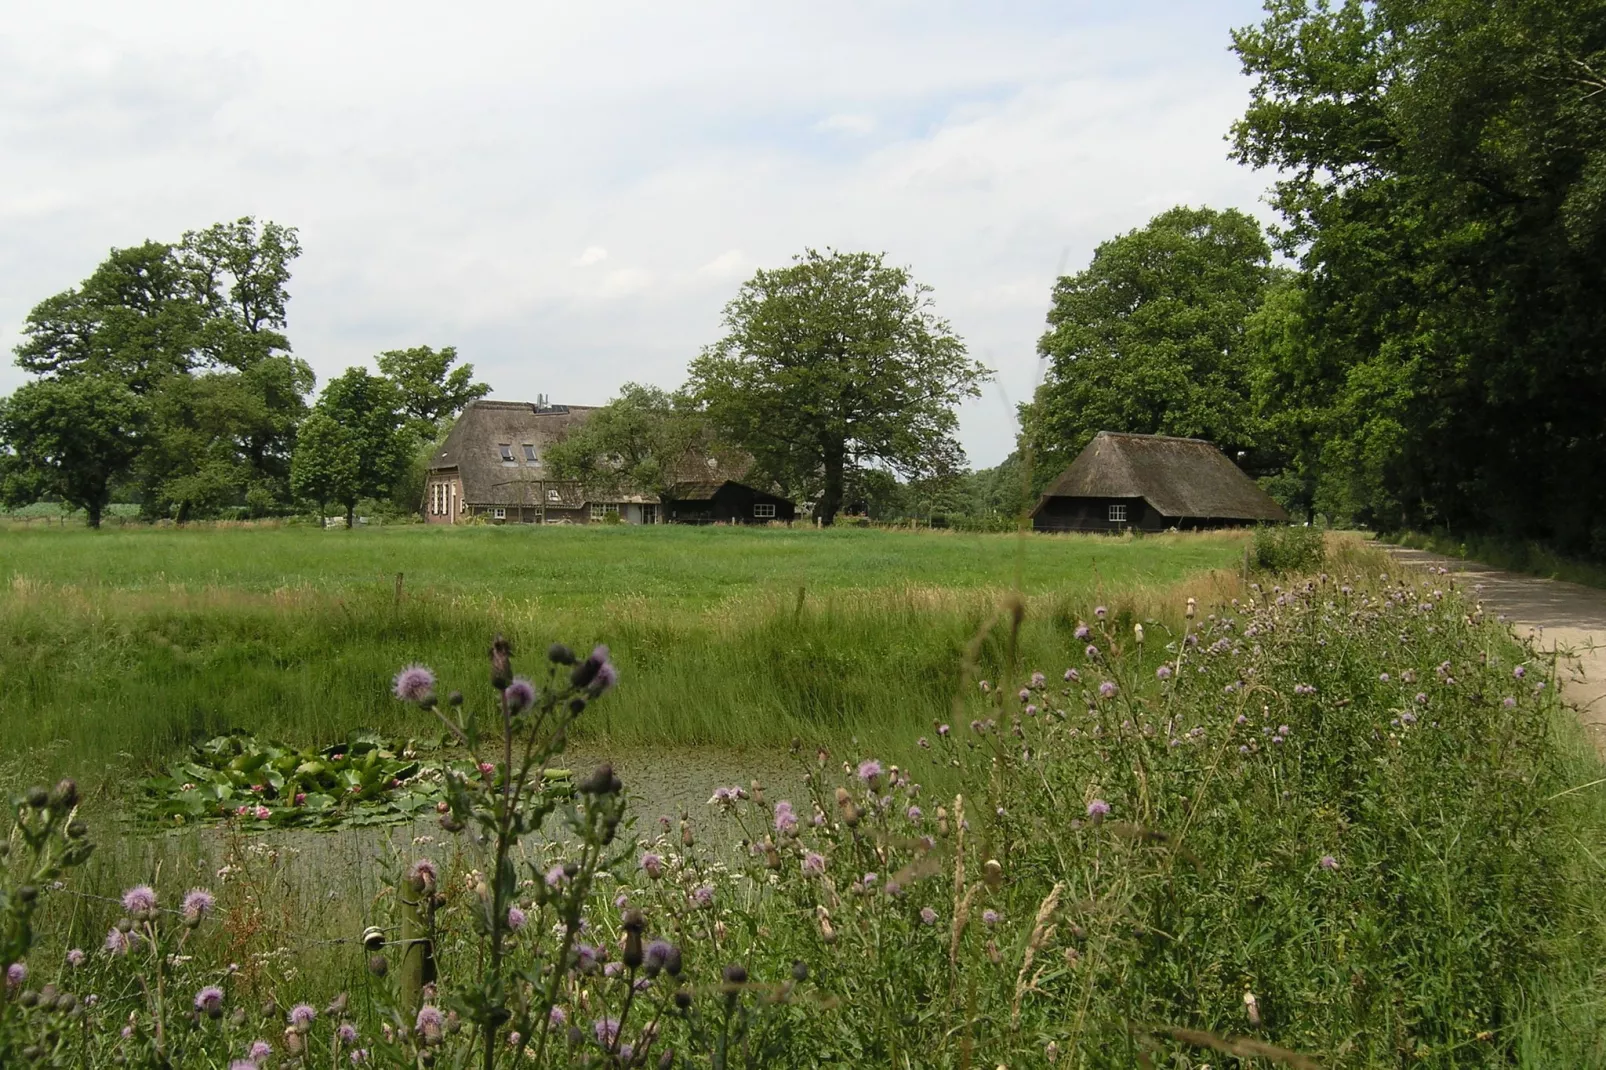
(569, 193)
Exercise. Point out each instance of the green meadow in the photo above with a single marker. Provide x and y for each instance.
(120, 647)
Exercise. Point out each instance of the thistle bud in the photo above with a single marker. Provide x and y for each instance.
(65, 797)
(559, 654)
(37, 797)
(992, 873)
(501, 663)
(633, 954)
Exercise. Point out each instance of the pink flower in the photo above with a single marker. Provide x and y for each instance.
(652, 864)
(487, 770)
(813, 864)
(263, 813)
(301, 1016)
(1328, 862)
(928, 916)
(520, 695)
(139, 899)
(515, 919)
(415, 683)
(209, 1000)
(869, 770)
(16, 973)
(1097, 808)
(425, 873)
(198, 903)
(1107, 689)
(785, 818)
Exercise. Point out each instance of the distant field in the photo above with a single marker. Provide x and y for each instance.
(119, 647)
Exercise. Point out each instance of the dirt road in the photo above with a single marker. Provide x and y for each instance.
(1565, 617)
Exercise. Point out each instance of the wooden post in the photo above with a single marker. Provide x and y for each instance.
(418, 949)
(398, 588)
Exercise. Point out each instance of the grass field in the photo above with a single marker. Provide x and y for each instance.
(122, 646)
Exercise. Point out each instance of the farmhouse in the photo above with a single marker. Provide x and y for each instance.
(1151, 483)
(728, 502)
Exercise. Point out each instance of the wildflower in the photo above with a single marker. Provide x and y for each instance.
(301, 1016)
(607, 1031)
(785, 818)
(986, 687)
(1243, 748)
(1163, 672)
(119, 942)
(914, 814)
(555, 876)
(259, 1050)
(989, 917)
(1137, 632)
(1421, 698)
(424, 873)
(1081, 630)
(923, 743)
(1097, 809)
(1509, 703)
(868, 880)
(359, 1056)
(1038, 679)
(869, 770)
(430, 1022)
(76, 957)
(1328, 862)
(243, 1064)
(301, 798)
(1099, 612)
(928, 916)
(520, 695)
(139, 899)
(487, 770)
(813, 864)
(1107, 689)
(415, 684)
(1025, 694)
(516, 918)
(1031, 710)
(1519, 672)
(16, 973)
(1383, 677)
(347, 1033)
(943, 730)
(557, 1017)
(703, 895)
(652, 864)
(209, 1001)
(1091, 651)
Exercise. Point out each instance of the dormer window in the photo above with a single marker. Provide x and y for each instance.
(507, 452)
(553, 496)
(529, 453)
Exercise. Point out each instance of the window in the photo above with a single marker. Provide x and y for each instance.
(553, 496)
(507, 452)
(499, 513)
(529, 453)
(599, 510)
(764, 510)
(1118, 514)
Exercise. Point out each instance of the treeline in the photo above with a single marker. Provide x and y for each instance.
(166, 379)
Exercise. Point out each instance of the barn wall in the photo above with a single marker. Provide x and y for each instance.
(1093, 514)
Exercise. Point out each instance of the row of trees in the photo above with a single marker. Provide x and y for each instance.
(166, 378)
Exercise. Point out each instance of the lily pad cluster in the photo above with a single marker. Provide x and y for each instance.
(365, 780)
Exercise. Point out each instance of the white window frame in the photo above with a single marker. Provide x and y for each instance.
(554, 497)
(601, 510)
(499, 513)
(764, 510)
(1118, 514)
(530, 454)
(504, 450)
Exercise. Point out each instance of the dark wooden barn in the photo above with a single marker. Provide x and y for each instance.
(1152, 483)
(729, 502)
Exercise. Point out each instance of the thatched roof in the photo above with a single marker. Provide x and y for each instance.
(473, 449)
(1178, 477)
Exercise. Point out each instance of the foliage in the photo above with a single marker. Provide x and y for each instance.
(1289, 549)
(1150, 338)
(1238, 837)
(431, 392)
(646, 440)
(353, 446)
(833, 362)
(1440, 170)
(71, 439)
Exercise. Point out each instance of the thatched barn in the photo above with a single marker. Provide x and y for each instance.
(727, 502)
(1151, 483)
(492, 465)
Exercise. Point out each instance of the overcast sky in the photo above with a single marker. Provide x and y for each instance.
(570, 192)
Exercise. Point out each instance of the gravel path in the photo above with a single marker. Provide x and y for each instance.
(1567, 618)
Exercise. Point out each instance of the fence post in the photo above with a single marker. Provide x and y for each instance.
(398, 588)
(418, 948)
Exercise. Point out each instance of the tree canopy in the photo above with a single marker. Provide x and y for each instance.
(1150, 338)
(430, 391)
(647, 439)
(354, 444)
(833, 363)
(69, 438)
(1442, 181)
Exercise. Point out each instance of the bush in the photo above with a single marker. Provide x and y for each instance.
(1287, 549)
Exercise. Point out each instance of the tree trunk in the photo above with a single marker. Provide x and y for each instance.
(831, 499)
(94, 510)
(351, 514)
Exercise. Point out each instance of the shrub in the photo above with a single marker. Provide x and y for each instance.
(1289, 549)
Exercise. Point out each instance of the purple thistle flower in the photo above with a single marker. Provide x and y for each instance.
(1107, 689)
(259, 1050)
(347, 1033)
(656, 954)
(1097, 808)
(813, 864)
(430, 1021)
(703, 895)
(516, 918)
(785, 818)
(139, 898)
(16, 973)
(1383, 677)
(1081, 630)
(1509, 703)
(868, 880)
(869, 770)
(557, 1017)
(1038, 679)
(928, 916)
(555, 876)
(1421, 698)
(359, 1056)
(1091, 651)
(301, 1016)
(1025, 694)
(652, 864)
(943, 730)
(1099, 612)
(520, 695)
(1163, 672)
(1072, 676)
(198, 903)
(914, 814)
(606, 1031)
(425, 872)
(209, 1000)
(243, 1064)
(923, 743)
(1328, 862)
(1519, 672)
(121, 943)
(414, 684)
(76, 957)
(989, 917)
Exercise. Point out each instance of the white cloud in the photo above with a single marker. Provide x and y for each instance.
(846, 124)
(442, 176)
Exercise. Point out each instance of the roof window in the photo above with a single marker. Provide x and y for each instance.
(507, 452)
(529, 452)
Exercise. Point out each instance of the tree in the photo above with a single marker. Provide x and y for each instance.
(1149, 338)
(70, 438)
(356, 447)
(836, 361)
(432, 392)
(645, 439)
(1442, 180)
